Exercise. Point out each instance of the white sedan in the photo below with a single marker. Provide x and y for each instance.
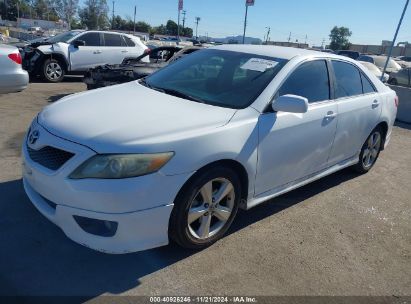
(173, 156)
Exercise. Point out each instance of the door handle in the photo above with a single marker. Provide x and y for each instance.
(375, 104)
(330, 115)
(124, 51)
(97, 52)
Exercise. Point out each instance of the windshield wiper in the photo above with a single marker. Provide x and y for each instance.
(146, 84)
(177, 93)
(171, 92)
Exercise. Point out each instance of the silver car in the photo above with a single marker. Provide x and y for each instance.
(12, 76)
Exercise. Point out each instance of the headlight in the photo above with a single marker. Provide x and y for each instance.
(112, 166)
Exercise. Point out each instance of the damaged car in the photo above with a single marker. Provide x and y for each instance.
(74, 52)
(134, 68)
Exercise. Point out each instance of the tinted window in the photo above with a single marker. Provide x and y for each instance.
(112, 40)
(129, 41)
(365, 58)
(217, 77)
(310, 80)
(91, 39)
(348, 80)
(367, 87)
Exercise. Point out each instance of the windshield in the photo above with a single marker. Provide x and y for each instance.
(216, 77)
(63, 37)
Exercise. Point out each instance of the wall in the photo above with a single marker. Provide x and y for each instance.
(379, 49)
(404, 108)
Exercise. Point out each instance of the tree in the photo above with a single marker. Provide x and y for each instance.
(66, 10)
(339, 38)
(171, 28)
(94, 14)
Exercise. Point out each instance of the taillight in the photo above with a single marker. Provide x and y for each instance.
(397, 101)
(16, 57)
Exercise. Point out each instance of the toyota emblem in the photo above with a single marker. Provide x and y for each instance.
(33, 137)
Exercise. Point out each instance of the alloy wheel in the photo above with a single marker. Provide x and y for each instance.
(54, 71)
(211, 208)
(372, 149)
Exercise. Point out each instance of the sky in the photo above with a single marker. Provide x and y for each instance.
(370, 21)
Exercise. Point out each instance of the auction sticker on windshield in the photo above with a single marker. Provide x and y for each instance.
(258, 64)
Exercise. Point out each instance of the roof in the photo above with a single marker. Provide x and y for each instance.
(273, 51)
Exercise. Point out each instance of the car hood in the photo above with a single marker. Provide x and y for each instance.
(119, 118)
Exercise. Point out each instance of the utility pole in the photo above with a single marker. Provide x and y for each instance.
(395, 38)
(196, 22)
(306, 37)
(289, 37)
(134, 21)
(323, 44)
(184, 18)
(112, 20)
(268, 34)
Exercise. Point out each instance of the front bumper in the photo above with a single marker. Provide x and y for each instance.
(139, 210)
(136, 231)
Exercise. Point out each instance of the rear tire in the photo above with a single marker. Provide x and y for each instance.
(393, 81)
(53, 70)
(205, 208)
(370, 151)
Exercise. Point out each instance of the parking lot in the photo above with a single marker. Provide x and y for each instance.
(342, 235)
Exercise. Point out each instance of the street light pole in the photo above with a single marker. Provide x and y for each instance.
(395, 38)
(134, 21)
(197, 21)
(245, 21)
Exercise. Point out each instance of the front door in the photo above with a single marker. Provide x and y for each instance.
(294, 146)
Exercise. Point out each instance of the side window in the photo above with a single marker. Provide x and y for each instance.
(310, 80)
(91, 39)
(112, 39)
(129, 41)
(348, 80)
(367, 87)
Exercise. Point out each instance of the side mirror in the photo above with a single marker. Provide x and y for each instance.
(291, 104)
(77, 43)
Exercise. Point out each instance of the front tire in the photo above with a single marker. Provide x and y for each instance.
(53, 70)
(205, 209)
(370, 151)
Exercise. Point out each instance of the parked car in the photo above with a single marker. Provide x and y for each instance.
(174, 155)
(375, 70)
(132, 68)
(404, 58)
(75, 52)
(380, 61)
(12, 76)
(351, 54)
(401, 78)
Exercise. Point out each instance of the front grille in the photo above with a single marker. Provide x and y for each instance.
(50, 157)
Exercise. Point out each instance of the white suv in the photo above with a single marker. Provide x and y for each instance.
(74, 52)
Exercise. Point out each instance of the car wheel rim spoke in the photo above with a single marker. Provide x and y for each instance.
(207, 193)
(204, 230)
(222, 213)
(211, 208)
(195, 213)
(371, 152)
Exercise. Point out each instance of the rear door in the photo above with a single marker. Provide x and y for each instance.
(90, 55)
(359, 108)
(115, 48)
